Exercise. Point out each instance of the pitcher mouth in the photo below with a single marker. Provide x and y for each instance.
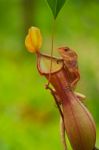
(44, 64)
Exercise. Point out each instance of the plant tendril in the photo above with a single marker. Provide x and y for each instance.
(52, 49)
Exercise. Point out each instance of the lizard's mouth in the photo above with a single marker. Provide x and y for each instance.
(44, 64)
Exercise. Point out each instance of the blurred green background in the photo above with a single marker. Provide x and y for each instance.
(29, 119)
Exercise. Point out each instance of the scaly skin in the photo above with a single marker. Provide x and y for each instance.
(71, 65)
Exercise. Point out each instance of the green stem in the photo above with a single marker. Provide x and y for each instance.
(52, 49)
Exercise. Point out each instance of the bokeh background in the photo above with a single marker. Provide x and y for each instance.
(29, 119)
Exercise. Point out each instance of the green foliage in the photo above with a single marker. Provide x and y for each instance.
(56, 6)
(28, 116)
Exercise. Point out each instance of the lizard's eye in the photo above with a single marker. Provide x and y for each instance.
(66, 49)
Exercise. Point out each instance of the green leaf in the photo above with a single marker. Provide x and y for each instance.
(56, 6)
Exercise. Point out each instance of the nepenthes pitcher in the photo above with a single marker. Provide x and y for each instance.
(78, 121)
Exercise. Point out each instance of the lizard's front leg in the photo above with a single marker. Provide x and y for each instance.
(77, 78)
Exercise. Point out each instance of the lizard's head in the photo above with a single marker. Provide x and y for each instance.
(67, 53)
(69, 56)
(64, 49)
(64, 52)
